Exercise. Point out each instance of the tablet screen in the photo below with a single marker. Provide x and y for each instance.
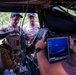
(58, 48)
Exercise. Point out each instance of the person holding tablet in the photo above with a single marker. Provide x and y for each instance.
(64, 67)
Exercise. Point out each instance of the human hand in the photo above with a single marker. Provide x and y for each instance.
(40, 44)
(72, 44)
(14, 31)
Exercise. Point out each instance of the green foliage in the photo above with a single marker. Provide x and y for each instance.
(5, 18)
(72, 12)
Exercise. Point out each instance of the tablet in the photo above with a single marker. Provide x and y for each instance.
(58, 48)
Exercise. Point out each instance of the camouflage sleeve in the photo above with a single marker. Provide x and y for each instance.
(8, 62)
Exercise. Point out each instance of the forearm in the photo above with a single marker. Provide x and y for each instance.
(43, 63)
(74, 48)
(49, 69)
(44, 66)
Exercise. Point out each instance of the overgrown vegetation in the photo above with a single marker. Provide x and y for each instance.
(5, 18)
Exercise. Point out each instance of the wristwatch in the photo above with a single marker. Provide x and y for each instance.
(38, 50)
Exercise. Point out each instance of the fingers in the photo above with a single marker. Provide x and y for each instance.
(45, 42)
(70, 37)
(41, 44)
(15, 31)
